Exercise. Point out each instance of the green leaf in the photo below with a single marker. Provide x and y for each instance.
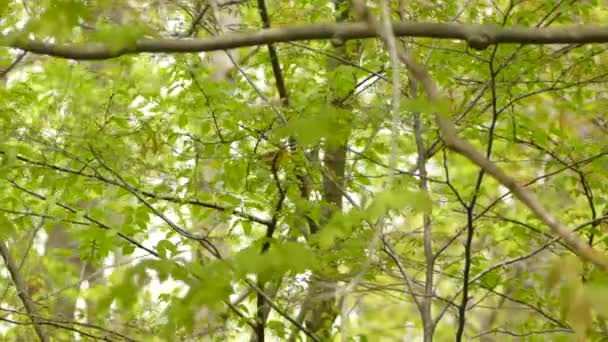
(342, 80)
(182, 120)
(7, 228)
(398, 199)
(10, 156)
(164, 246)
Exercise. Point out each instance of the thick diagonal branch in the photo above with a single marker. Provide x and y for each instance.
(466, 149)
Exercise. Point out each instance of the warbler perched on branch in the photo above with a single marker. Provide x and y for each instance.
(274, 157)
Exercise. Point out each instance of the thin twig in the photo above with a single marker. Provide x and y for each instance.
(22, 291)
(14, 64)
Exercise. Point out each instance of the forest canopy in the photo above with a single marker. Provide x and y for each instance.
(312, 170)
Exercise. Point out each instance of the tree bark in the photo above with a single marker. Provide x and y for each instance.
(322, 308)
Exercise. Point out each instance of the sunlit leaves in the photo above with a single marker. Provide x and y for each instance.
(596, 290)
(423, 105)
(58, 18)
(395, 201)
(166, 249)
(4, 6)
(320, 121)
(342, 80)
(7, 228)
(279, 259)
(196, 151)
(579, 299)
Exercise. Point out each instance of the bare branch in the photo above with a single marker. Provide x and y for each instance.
(477, 36)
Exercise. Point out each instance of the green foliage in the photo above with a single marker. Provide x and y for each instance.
(57, 18)
(281, 258)
(7, 229)
(176, 193)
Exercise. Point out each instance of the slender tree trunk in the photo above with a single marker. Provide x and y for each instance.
(65, 301)
(321, 306)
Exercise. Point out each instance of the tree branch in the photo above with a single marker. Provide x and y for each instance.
(22, 292)
(13, 65)
(477, 36)
(86, 217)
(148, 194)
(466, 149)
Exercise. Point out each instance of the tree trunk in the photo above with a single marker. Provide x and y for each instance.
(322, 308)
